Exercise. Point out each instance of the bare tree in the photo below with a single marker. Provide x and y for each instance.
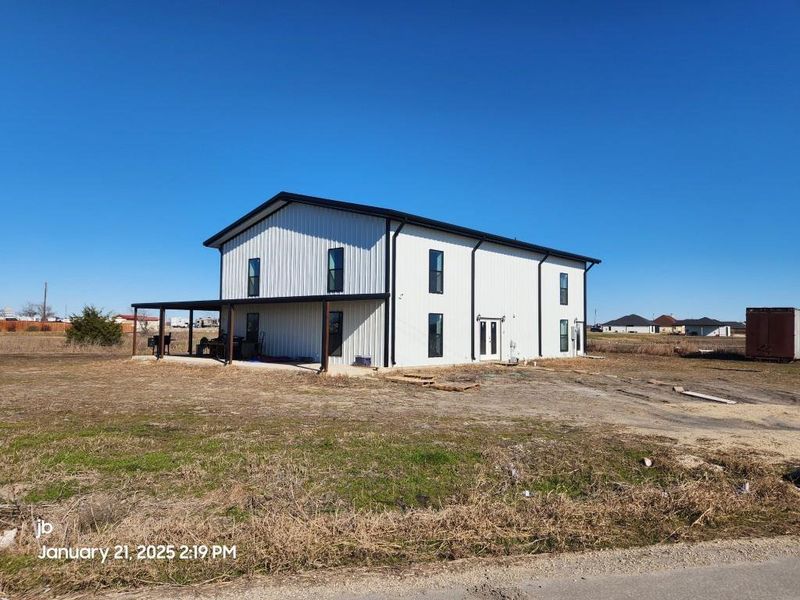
(34, 309)
(142, 323)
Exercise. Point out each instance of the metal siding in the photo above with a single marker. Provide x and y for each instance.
(293, 246)
(363, 331)
(552, 310)
(295, 329)
(506, 286)
(414, 302)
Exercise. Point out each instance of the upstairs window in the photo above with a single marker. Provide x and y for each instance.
(335, 269)
(564, 289)
(436, 271)
(563, 335)
(253, 276)
(435, 337)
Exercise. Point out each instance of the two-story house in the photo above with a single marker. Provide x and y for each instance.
(331, 281)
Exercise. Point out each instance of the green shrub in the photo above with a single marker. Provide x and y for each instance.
(92, 326)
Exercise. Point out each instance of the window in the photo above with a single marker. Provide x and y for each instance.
(494, 337)
(335, 323)
(483, 338)
(564, 335)
(252, 328)
(564, 297)
(253, 276)
(435, 346)
(436, 271)
(335, 269)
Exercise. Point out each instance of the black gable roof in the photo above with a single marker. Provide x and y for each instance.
(282, 198)
(629, 321)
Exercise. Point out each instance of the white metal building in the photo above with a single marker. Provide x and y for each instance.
(630, 324)
(705, 326)
(300, 274)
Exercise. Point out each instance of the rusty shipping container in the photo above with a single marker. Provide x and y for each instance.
(773, 333)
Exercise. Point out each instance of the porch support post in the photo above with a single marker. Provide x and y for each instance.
(162, 313)
(135, 325)
(230, 334)
(325, 336)
(191, 329)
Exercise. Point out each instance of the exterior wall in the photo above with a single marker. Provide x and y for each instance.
(413, 302)
(293, 245)
(633, 328)
(708, 330)
(553, 311)
(295, 329)
(506, 282)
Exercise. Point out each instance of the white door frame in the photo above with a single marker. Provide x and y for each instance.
(488, 355)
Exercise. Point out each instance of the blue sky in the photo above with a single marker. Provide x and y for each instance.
(663, 138)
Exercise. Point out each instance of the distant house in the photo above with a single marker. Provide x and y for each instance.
(705, 326)
(737, 327)
(630, 324)
(150, 323)
(668, 324)
(8, 314)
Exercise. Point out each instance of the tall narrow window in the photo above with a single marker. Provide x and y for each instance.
(564, 335)
(253, 276)
(335, 322)
(435, 339)
(335, 269)
(436, 271)
(251, 334)
(483, 337)
(564, 297)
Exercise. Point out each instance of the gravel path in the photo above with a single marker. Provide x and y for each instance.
(753, 569)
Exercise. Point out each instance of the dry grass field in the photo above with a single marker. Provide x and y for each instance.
(665, 345)
(303, 472)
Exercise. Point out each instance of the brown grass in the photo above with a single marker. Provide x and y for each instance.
(302, 472)
(664, 345)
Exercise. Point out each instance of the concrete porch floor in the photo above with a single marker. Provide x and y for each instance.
(347, 370)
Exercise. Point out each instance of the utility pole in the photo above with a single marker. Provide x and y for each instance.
(44, 304)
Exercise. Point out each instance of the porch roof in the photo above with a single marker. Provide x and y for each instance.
(218, 303)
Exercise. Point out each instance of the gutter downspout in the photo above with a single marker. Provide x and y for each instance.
(220, 273)
(585, 316)
(394, 285)
(386, 289)
(472, 315)
(539, 291)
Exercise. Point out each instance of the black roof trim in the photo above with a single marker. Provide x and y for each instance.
(217, 303)
(395, 215)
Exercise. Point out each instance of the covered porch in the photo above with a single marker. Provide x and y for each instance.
(300, 330)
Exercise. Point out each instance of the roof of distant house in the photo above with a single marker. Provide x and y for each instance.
(629, 321)
(665, 321)
(700, 321)
(738, 324)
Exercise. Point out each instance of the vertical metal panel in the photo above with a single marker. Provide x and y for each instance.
(414, 302)
(506, 286)
(552, 309)
(293, 246)
(773, 333)
(293, 329)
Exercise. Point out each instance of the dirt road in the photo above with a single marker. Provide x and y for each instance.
(759, 569)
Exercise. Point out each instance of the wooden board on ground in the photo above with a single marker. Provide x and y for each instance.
(411, 380)
(455, 386)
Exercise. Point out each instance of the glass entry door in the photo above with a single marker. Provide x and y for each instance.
(489, 336)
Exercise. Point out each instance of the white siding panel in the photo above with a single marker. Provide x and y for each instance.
(505, 286)
(363, 331)
(293, 247)
(552, 310)
(414, 302)
(294, 330)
